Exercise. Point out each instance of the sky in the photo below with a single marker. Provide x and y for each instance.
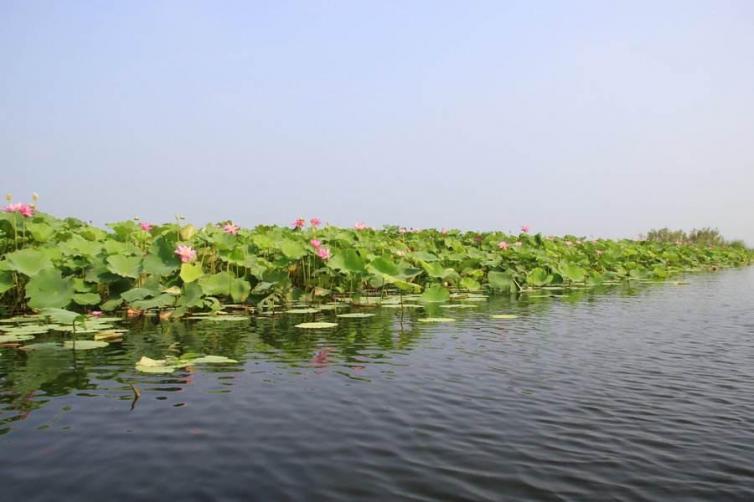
(599, 119)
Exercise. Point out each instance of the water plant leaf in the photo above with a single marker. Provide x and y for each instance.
(84, 344)
(504, 316)
(48, 288)
(29, 261)
(500, 281)
(355, 315)
(538, 277)
(124, 266)
(316, 325)
(191, 272)
(148, 365)
(436, 319)
(87, 298)
(303, 311)
(212, 360)
(15, 338)
(435, 294)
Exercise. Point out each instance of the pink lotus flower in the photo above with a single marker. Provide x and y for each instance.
(503, 245)
(525, 229)
(96, 313)
(324, 253)
(185, 253)
(298, 223)
(315, 243)
(315, 222)
(360, 225)
(230, 228)
(444, 231)
(147, 227)
(25, 210)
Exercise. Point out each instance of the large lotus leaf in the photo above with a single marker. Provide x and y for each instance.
(239, 290)
(49, 288)
(87, 298)
(389, 272)
(40, 232)
(13, 337)
(191, 272)
(500, 281)
(161, 259)
(78, 246)
(29, 261)
(217, 284)
(470, 284)
(538, 277)
(351, 261)
(292, 249)
(435, 294)
(124, 266)
(191, 296)
(137, 294)
(163, 300)
(572, 272)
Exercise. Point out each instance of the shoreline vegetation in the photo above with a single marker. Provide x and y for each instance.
(178, 269)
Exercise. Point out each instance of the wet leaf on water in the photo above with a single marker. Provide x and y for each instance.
(355, 315)
(84, 344)
(504, 316)
(437, 319)
(316, 325)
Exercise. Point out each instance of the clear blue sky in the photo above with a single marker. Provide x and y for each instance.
(598, 118)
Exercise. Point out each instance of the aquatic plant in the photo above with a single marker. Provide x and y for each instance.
(49, 262)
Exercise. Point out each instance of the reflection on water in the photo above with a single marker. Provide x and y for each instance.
(626, 393)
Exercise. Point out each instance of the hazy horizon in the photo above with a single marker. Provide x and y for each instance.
(594, 119)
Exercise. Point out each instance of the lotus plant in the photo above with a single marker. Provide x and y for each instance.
(315, 222)
(298, 223)
(324, 253)
(525, 229)
(503, 245)
(147, 227)
(25, 210)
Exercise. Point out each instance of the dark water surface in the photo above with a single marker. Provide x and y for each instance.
(644, 394)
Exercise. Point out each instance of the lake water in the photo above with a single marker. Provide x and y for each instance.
(626, 394)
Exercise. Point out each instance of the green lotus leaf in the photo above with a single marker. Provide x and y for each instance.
(124, 266)
(48, 288)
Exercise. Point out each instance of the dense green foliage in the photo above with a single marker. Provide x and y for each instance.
(49, 262)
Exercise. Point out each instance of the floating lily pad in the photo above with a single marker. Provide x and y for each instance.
(110, 335)
(43, 346)
(22, 319)
(148, 365)
(437, 319)
(504, 316)
(84, 344)
(15, 338)
(316, 325)
(29, 329)
(302, 311)
(355, 315)
(458, 306)
(213, 360)
(225, 318)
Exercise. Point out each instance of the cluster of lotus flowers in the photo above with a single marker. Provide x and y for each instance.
(25, 210)
(504, 245)
(300, 223)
